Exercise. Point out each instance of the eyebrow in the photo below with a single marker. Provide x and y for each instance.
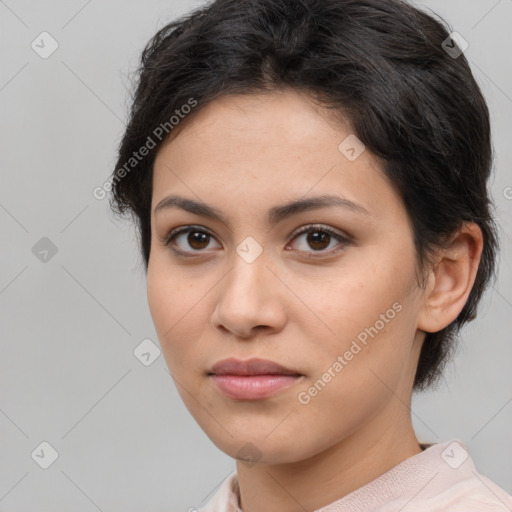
(275, 215)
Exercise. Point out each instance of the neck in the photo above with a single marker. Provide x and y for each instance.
(328, 476)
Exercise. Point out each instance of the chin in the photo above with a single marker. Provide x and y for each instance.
(262, 449)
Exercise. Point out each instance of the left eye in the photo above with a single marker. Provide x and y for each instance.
(318, 238)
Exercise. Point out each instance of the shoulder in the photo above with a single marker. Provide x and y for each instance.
(467, 496)
(455, 485)
(225, 498)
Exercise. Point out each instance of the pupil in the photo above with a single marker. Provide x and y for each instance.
(195, 237)
(318, 237)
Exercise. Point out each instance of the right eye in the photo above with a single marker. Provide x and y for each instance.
(196, 238)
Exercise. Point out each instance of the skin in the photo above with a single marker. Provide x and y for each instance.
(295, 304)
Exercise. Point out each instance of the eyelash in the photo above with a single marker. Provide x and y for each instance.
(344, 241)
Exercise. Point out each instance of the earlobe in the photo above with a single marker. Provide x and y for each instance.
(451, 279)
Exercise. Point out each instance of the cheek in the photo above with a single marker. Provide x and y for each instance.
(175, 306)
(351, 302)
(371, 318)
(356, 381)
(170, 293)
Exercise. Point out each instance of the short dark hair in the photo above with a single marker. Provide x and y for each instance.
(381, 64)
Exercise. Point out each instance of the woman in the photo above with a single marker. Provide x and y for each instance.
(309, 180)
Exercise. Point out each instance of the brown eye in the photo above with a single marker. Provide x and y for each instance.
(197, 239)
(189, 240)
(319, 239)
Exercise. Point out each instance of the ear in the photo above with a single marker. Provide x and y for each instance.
(451, 279)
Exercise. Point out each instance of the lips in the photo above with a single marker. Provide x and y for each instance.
(250, 367)
(254, 379)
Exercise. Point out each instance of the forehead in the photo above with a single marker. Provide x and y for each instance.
(253, 148)
(272, 117)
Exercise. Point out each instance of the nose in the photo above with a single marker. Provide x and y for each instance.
(251, 298)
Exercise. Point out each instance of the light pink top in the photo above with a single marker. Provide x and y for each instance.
(441, 478)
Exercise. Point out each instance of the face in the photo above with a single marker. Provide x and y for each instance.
(328, 291)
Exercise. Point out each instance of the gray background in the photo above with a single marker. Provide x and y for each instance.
(69, 325)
